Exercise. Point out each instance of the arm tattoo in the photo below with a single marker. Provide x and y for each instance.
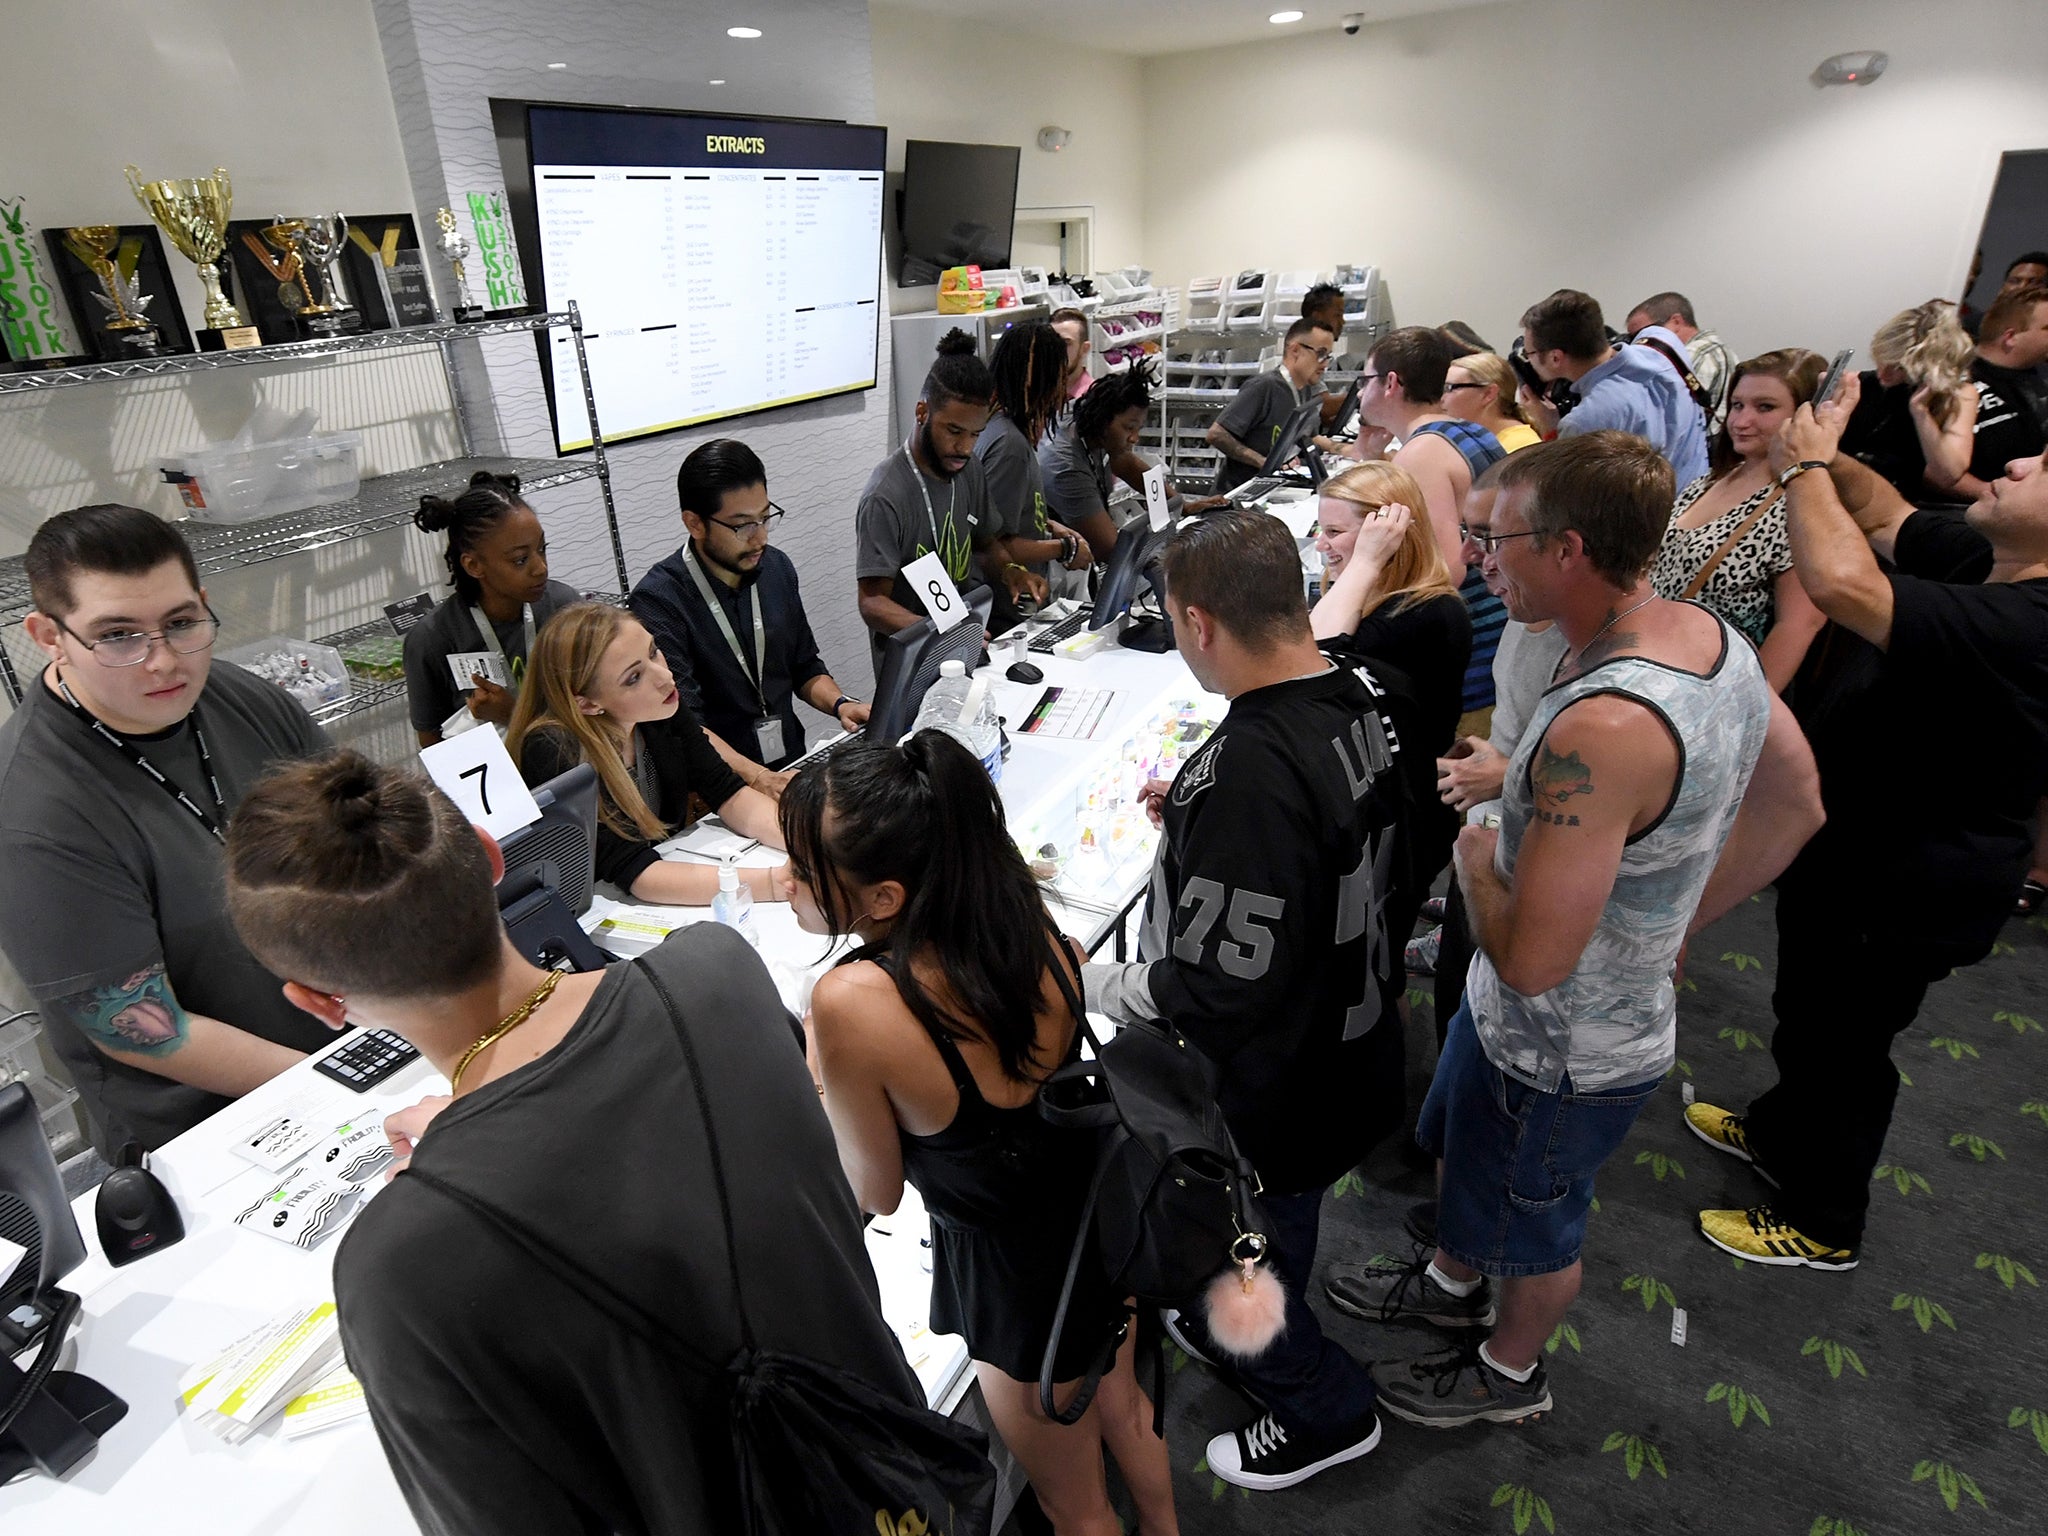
(136, 1017)
(1555, 781)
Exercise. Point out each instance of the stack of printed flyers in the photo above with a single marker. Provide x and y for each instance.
(292, 1363)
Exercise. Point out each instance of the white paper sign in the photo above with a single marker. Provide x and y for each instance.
(476, 772)
(464, 666)
(934, 588)
(1155, 497)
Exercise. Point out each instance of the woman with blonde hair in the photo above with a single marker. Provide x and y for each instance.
(1916, 422)
(1728, 546)
(1480, 388)
(598, 691)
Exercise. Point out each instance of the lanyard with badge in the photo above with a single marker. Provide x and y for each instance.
(134, 754)
(489, 631)
(952, 497)
(768, 732)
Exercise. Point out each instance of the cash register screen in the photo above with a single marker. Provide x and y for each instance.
(723, 265)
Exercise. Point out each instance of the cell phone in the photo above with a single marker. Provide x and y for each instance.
(1526, 372)
(1829, 381)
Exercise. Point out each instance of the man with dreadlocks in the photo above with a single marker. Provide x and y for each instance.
(1098, 444)
(1029, 368)
(930, 495)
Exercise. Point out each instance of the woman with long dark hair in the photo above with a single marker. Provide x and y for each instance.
(931, 1041)
(497, 554)
(1029, 369)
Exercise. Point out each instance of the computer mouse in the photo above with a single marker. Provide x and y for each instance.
(1024, 672)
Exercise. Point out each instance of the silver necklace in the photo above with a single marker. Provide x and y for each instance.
(1581, 651)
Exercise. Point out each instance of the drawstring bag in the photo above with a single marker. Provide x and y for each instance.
(819, 1451)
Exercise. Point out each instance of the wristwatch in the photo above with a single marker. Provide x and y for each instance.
(840, 703)
(1793, 472)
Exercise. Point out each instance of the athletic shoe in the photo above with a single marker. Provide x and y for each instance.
(1760, 1237)
(1421, 953)
(1264, 1456)
(1420, 1223)
(1406, 1293)
(1723, 1130)
(1433, 910)
(1169, 1319)
(1449, 1391)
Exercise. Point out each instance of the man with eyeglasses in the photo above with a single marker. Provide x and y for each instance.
(1251, 424)
(118, 774)
(727, 614)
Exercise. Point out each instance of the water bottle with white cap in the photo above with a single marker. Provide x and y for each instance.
(960, 707)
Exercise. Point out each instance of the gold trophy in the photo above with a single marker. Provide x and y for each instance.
(194, 211)
(100, 249)
(455, 246)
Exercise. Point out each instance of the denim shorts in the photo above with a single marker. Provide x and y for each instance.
(1518, 1163)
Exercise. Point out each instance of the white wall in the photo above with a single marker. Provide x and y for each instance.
(1484, 158)
(942, 77)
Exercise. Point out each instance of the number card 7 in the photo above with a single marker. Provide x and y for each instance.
(476, 772)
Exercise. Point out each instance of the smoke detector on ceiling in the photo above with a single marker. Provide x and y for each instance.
(1851, 68)
(1053, 140)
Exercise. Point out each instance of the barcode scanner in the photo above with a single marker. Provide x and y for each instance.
(135, 1213)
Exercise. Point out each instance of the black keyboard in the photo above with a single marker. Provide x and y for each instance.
(368, 1059)
(1252, 490)
(1048, 639)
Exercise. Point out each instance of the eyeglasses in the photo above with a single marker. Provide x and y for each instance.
(129, 648)
(1448, 388)
(1366, 378)
(1489, 542)
(747, 527)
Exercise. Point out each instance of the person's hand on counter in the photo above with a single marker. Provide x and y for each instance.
(1153, 798)
(404, 1128)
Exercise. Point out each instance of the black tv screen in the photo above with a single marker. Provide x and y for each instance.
(959, 208)
(723, 264)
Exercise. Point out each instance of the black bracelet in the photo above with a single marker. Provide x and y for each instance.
(840, 703)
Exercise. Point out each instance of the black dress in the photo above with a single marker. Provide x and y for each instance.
(1004, 1189)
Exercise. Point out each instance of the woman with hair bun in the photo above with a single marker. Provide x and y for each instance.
(497, 554)
(931, 1044)
(1918, 407)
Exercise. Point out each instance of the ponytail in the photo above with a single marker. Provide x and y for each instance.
(466, 519)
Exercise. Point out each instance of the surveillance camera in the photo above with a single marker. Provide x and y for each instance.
(1353, 22)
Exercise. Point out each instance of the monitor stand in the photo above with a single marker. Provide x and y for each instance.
(1153, 635)
(63, 1419)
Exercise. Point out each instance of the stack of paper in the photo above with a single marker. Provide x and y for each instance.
(235, 1393)
(335, 1398)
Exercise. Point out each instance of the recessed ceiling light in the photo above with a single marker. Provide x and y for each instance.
(1281, 18)
(742, 31)
(558, 66)
(714, 82)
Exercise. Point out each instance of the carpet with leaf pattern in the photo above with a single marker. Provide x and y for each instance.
(1905, 1397)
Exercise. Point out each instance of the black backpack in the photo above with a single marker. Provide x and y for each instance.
(1171, 1201)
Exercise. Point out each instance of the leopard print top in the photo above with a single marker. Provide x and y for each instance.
(1742, 588)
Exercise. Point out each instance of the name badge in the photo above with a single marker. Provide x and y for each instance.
(934, 587)
(768, 736)
(464, 666)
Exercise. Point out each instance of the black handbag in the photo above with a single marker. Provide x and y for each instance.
(818, 1450)
(1170, 1204)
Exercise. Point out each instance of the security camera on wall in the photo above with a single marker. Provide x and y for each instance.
(1353, 22)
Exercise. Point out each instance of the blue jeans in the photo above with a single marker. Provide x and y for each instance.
(1518, 1162)
(1310, 1383)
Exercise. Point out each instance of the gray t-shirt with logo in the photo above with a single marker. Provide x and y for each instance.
(104, 877)
(896, 523)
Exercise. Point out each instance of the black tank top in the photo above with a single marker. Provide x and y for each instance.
(992, 1168)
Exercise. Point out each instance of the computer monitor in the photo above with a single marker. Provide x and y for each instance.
(560, 850)
(1346, 405)
(1301, 426)
(1137, 546)
(910, 664)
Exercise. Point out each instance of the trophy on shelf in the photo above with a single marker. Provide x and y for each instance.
(100, 249)
(313, 250)
(456, 248)
(193, 211)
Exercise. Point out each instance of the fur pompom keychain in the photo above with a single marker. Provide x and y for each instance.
(1246, 1306)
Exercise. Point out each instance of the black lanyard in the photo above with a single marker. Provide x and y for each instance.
(133, 753)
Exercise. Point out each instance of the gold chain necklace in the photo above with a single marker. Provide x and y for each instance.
(505, 1026)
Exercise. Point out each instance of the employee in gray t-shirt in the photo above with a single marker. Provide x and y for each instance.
(929, 495)
(118, 774)
(1251, 424)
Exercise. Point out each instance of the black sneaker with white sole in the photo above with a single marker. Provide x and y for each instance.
(1406, 1293)
(1176, 1330)
(1265, 1456)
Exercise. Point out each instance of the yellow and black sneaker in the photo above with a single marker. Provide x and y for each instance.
(1760, 1237)
(1722, 1129)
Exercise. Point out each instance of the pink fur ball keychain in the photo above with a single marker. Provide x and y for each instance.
(1246, 1306)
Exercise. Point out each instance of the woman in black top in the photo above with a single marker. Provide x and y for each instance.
(1915, 420)
(599, 692)
(931, 1042)
(497, 556)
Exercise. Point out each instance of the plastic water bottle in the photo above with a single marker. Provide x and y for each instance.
(734, 904)
(961, 709)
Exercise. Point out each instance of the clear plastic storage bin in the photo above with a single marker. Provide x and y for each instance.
(233, 483)
(312, 674)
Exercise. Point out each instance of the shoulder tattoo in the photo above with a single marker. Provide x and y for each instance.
(1555, 782)
(136, 1017)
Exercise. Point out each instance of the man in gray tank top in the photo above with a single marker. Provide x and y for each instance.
(1624, 826)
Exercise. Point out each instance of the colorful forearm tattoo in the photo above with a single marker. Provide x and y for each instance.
(136, 1017)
